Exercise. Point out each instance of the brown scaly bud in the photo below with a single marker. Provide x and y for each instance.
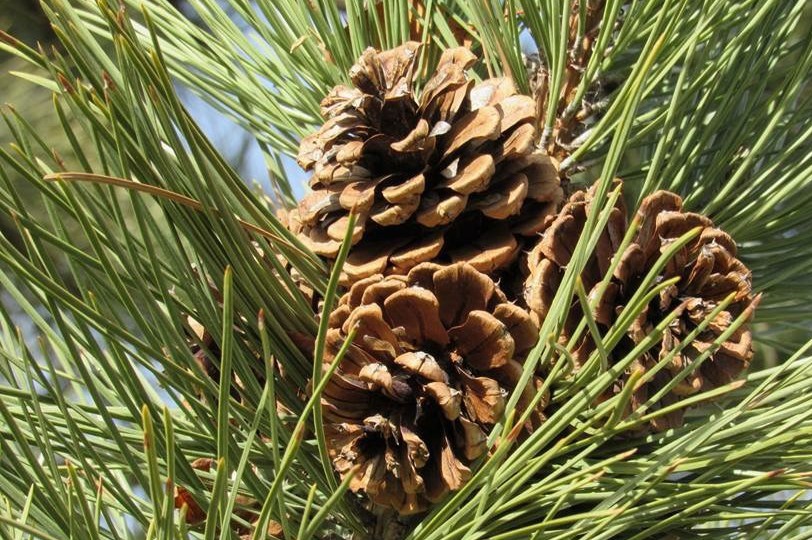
(707, 270)
(194, 512)
(435, 355)
(205, 350)
(449, 175)
(246, 509)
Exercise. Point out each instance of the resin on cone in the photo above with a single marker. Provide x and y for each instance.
(434, 357)
(707, 270)
(449, 174)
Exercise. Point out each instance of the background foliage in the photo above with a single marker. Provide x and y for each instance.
(126, 217)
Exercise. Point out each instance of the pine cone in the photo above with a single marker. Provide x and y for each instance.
(708, 272)
(449, 175)
(574, 113)
(435, 355)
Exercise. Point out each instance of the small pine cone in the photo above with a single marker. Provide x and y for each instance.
(435, 355)
(449, 175)
(575, 113)
(708, 272)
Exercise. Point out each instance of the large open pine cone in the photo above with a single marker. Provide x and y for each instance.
(708, 272)
(435, 354)
(449, 175)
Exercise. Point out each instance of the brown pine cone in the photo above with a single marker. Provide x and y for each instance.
(572, 118)
(451, 174)
(708, 272)
(435, 355)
